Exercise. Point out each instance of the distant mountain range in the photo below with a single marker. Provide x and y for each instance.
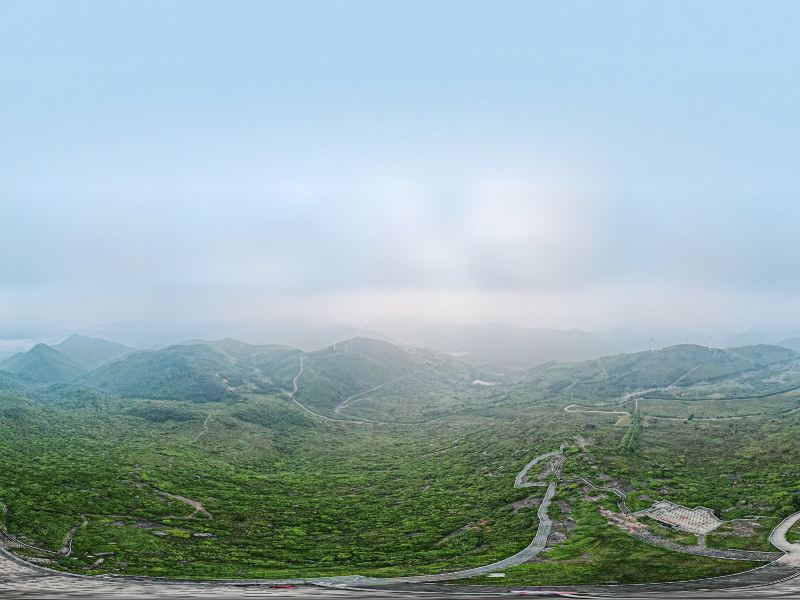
(683, 364)
(497, 345)
(378, 380)
(223, 370)
(91, 353)
(42, 364)
(63, 362)
(503, 345)
(213, 371)
(201, 370)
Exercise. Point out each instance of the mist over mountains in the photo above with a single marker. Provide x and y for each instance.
(495, 343)
(342, 359)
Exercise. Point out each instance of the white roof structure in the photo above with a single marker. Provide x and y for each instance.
(699, 520)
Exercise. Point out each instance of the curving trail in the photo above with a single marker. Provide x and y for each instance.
(781, 577)
(199, 509)
(623, 497)
(11, 563)
(778, 539)
(576, 408)
(537, 544)
(17, 575)
(204, 431)
(358, 396)
(308, 410)
(624, 399)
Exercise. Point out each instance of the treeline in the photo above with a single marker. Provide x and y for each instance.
(630, 440)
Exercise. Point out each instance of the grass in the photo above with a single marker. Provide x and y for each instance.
(294, 496)
(793, 535)
(598, 552)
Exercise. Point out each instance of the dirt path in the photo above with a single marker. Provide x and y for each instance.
(618, 493)
(199, 509)
(624, 399)
(358, 396)
(204, 431)
(312, 412)
(636, 396)
(17, 574)
(66, 546)
(605, 373)
(690, 371)
(576, 408)
(537, 544)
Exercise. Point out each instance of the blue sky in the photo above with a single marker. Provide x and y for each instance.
(556, 164)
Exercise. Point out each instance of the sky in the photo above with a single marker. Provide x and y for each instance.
(553, 164)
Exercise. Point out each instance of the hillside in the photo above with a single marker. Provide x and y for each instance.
(410, 381)
(43, 364)
(199, 372)
(428, 455)
(91, 352)
(793, 343)
(423, 378)
(260, 360)
(679, 366)
(9, 381)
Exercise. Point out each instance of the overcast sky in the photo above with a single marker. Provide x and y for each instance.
(564, 164)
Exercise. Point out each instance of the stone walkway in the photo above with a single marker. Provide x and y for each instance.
(753, 555)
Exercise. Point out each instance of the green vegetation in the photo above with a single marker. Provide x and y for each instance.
(596, 551)
(752, 534)
(793, 536)
(42, 364)
(631, 437)
(91, 352)
(426, 487)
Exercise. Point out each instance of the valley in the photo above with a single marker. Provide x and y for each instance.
(223, 460)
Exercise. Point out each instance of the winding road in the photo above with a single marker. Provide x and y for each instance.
(780, 577)
(308, 410)
(18, 575)
(778, 539)
(537, 544)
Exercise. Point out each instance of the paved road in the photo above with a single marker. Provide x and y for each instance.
(701, 550)
(521, 480)
(17, 575)
(778, 539)
(26, 580)
(531, 550)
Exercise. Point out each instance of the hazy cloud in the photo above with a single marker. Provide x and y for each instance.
(472, 164)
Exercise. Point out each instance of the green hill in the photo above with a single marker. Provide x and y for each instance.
(91, 352)
(679, 366)
(411, 381)
(258, 362)
(9, 381)
(43, 364)
(197, 373)
(423, 377)
(202, 372)
(426, 485)
(793, 343)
